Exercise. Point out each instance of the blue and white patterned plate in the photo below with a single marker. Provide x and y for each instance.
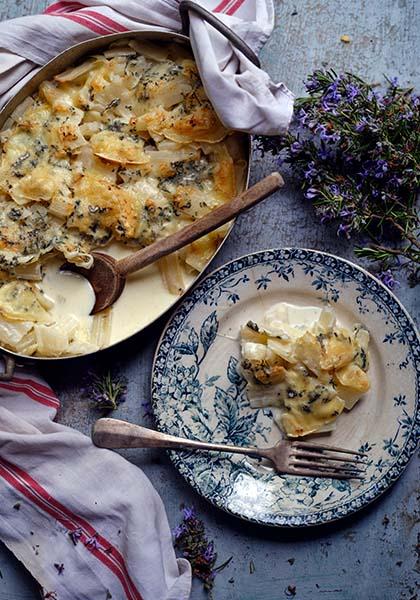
(197, 391)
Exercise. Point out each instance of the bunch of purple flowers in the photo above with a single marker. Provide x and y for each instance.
(190, 537)
(105, 390)
(356, 153)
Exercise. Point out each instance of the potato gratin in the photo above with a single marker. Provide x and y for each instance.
(303, 364)
(124, 147)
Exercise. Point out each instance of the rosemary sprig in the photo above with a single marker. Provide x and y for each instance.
(105, 391)
(356, 154)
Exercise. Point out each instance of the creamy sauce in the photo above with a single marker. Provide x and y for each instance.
(71, 293)
(144, 298)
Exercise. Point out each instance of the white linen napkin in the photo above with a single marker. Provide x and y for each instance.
(243, 95)
(85, 522)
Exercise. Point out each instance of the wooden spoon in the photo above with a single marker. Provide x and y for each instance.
(107, 275)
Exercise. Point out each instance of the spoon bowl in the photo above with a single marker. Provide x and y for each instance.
(104, 277)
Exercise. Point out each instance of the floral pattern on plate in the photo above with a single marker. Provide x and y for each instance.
(198, 390)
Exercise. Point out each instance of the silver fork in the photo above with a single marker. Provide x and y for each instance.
(294, 458)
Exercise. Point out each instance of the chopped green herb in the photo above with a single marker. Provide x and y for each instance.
(253, 326)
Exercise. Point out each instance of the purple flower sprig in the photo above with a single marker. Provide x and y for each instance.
(356, 153)
(190, 537)
(106, 390)
(388, 279)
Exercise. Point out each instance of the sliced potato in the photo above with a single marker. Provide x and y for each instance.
(19, 301)
(119, 148)
(296, 422)
(310, 352)
(353, 377)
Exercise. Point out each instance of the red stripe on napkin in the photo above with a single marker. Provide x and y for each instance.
(105, 21)
(39, 387)
(29, 387)
(101, 548)
(221, 6)
(84, 22)
(233, 8)
(87, 18)
(58, 7)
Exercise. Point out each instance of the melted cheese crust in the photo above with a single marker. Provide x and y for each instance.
(117, 112)
(311, 371)
(123, 147)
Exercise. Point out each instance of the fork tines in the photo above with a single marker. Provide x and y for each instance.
(327, 461)
(320, 448)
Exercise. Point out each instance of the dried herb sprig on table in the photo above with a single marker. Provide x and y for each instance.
(190, 538)
(356, 153)
(105, 391)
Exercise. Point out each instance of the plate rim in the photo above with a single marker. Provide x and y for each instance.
(388, 480)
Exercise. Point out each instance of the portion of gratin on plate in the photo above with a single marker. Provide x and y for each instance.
(123, 148)
(305, 366)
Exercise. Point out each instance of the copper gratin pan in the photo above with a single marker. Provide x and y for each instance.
(239, 145)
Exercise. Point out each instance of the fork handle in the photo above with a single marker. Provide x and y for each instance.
(113, 433)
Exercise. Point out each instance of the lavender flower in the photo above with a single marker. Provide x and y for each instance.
(75, 535)
(361, 125)
(209, 553)
(346, 213)
(388, 279)
(92, 543)
(332, 96)
(344, 229)
(335, 189)
(406, 116)
(188, 512)
(296, 147)
(311, 172)
(326, 135)
(395, 181)
(354, 151)
(301, 117)
(381, 167)
(311, 83)
(323, 153)
(374, 168)
(311, 193)
(178, 531)
(352, 91)
(59, 567)
(190, 538)
(327, 216)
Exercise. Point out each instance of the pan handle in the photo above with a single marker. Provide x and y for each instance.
(186, 5)
(9, 367)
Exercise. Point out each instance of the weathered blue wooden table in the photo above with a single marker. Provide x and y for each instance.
(373, 555)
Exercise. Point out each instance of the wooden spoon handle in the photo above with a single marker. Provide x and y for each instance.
(209, 222)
